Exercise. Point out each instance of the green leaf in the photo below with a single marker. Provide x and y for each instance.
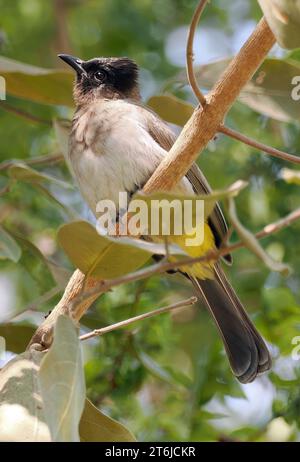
(269, 92)
(37, 84)
(271, 89)
(158, 201)
(16, 336)
(102, 256)
(62, 382)
(70, 213)
(9, 249)
(290, 176)
(283, 17)
(60, 274)
(97, 427)
(20, 171)
(171, 109)
(21, 407)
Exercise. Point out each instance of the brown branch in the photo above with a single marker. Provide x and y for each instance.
(198, 131)
(141, 317)
(190, 53)
(260, 146)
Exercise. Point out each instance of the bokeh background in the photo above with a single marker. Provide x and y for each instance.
(167, 378)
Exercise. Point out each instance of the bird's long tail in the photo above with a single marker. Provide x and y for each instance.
(246, 350)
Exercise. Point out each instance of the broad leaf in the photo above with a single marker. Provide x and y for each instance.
(283, 17)
(60, 274)
(21, 407)
(270, 91)
(37, 84)
(102, 256)
(171, 109)
(157, 202)
(97, 427)
(62, 382)
(9, 248)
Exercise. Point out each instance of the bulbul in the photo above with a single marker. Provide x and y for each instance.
(115, 145)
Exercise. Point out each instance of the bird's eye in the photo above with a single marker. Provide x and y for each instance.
(100, 76)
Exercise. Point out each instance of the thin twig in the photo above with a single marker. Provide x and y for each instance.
(260, 146)
(190, 53)
(284, 222)
(24, 114)
(149, 314)
(252, 243)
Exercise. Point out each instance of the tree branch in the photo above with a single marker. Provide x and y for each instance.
(141, 317)
(198, 131)
(260, 146)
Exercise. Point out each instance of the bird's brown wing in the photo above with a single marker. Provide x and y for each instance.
(165, 137)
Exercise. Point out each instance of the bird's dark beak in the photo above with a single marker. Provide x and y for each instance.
(75, 63)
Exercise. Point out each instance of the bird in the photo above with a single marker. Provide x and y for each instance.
(116, 143)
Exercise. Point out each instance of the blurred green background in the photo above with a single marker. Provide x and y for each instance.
(166, 378)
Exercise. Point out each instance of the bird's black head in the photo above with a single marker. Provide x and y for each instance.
(104, 78)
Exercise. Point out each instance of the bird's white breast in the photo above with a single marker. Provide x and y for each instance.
(111, 151)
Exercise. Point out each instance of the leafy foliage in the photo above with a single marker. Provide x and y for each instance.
(171, 363)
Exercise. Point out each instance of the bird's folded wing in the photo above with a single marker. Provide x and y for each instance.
(165, 137)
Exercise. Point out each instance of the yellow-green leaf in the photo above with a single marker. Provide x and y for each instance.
(270, 91)
(37, 84)
(62, 382)
(171, 109)
(157, 202)
(97, 427)
(102, 256)
(21, 407)
(283, 17)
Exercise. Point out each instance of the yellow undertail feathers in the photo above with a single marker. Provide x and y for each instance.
(201, 270)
